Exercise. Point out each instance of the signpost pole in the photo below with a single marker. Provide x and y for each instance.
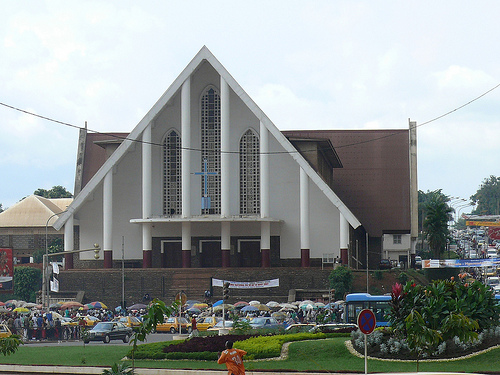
(366, 324)
(366, 354)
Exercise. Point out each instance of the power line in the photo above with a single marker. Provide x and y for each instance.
(237, 152)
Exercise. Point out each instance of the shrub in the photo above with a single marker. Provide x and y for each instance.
(341, 280)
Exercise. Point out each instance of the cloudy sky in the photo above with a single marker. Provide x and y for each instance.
(308, 64)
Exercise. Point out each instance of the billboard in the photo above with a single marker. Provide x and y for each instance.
(6, 269)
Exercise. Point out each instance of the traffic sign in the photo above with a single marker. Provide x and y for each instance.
(181, 298)
(366, 321)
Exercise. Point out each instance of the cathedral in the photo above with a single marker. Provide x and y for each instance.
(206, 180)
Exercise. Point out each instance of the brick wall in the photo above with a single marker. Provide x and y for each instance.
(106, 284)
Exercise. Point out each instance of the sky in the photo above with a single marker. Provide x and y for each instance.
(307, 64)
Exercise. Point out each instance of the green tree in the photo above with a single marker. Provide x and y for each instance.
(1, 208)
(437, 216)
(55, 246)
(487, 197)
(27, 282)
(341, 280)
(56, 192)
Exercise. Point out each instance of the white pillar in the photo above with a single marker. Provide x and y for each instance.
(69, 238)
(265, 235)
(186, 244)
(344, 232)
(264, 171)
(225, 235)
(107, 219)
(225, 156)
(147, 241)
(304, 210)
(186, 146)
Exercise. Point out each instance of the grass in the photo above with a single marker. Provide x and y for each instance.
(320, 355)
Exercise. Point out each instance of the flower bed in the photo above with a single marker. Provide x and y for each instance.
(382, 344)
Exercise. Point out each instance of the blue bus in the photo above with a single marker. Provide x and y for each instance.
(355, 302)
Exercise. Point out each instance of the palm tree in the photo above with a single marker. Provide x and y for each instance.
(438, 213)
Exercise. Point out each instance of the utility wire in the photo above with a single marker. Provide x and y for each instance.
(237, 152)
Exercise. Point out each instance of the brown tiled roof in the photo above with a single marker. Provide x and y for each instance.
(374, 182)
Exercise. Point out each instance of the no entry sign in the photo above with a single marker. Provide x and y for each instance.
(366, 321)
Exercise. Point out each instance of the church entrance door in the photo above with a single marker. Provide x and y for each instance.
(171, 254)
(211, 254)
(249, 253)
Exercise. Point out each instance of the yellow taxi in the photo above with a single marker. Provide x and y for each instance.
(4, 331)
(90, 321)
(172, 323)
(129, 321)
(202, 324)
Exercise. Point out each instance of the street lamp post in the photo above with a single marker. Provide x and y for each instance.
(95, 249)
(44, 281)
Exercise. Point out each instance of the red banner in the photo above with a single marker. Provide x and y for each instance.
(6, 269)
(494, 233)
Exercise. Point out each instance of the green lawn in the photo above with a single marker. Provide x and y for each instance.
(319, 355)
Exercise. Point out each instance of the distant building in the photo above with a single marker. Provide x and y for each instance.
(207, 180)
(25, 225)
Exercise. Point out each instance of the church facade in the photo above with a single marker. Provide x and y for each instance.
(207, 180)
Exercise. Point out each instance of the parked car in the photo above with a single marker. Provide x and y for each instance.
(332, 327)
(207, 322)
(90, 321)
(220, 325)
(264, 322)
(384, 264)
(299, 327)
(172, 325)
(129, 321)
(107, 331)
(4, 331)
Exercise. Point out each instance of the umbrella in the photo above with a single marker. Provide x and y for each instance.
(137, 306)
(288, 306)
(226, 306)
(56, 315)
(191, 302)
(278, 315)
(29, 305)
(3, 309)
(199, 306)
(241, 304)
(2, 303)
(21, 310)
(84, 307)
(249, 308)
(193, 310)
(219, 302)
(70, 305)
(319, 304)
(254, 303)
(263, 307)
(97, 305)
(308, 307)
(272, 304)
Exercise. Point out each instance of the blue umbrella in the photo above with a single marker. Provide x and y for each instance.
(250, 308)
(218, 303)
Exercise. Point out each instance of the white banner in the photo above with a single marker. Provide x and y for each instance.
(55, 268)
(247, 284)
(54, 285)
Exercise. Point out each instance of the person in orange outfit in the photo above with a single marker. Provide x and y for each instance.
(233, 358)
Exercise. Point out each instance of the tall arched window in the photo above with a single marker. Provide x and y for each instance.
(249, 173)
(210, 146)
(172, 181)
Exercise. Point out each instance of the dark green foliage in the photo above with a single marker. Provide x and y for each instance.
(487, 197)
(435, 225)
(9, 345)
(27, 282)
(201, 344)
(240, 326)
(440, 273)
(55, 246)
(341, 280)
(119, 369)
(403, 278)
(56, 192)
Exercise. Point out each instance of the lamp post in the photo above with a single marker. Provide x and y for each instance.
(95, 249)
(44, 281)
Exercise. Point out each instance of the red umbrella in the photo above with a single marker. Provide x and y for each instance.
(70, 305)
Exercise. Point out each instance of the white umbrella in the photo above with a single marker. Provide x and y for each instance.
(306, 302)
(272, 304)
(319, 304)
(288, 306)
(254, 303)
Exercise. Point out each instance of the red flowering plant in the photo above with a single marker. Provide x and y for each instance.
(404, 299)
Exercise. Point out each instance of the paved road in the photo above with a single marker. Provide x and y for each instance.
(154, 337)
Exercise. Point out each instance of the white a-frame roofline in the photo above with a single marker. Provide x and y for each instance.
(204, 54)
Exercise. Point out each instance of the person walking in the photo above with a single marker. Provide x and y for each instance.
(233, 358)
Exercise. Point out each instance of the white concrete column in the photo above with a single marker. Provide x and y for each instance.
(264, 171)
(146, 172)
(225, 156)
(186, 244)
(186, 147)
(225, 237)
(304, 210)
(265, 235)
(344, 232)
(69, 238)
(147, 240)
(107, 219)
